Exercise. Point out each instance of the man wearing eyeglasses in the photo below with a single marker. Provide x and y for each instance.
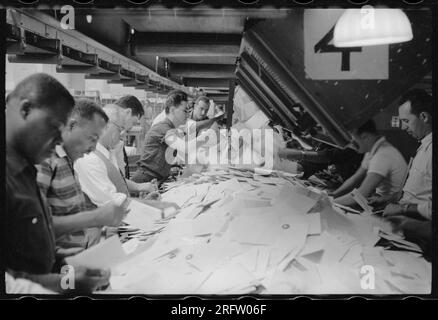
(98, 172)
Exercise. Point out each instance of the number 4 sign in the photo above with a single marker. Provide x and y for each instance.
(324, 61)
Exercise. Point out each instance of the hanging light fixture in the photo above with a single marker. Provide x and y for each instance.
(369, 27)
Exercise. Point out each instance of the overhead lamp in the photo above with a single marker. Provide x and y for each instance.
(89, 18)
(370, 27)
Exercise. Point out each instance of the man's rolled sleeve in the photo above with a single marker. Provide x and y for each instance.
(379, 164)
(425, 209)
(94, 180)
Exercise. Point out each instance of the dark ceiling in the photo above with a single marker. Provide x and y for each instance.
(263, 50)
(194, 47)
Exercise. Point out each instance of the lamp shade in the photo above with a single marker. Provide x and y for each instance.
(370, 27)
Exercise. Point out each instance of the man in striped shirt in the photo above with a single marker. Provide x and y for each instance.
(76, 220)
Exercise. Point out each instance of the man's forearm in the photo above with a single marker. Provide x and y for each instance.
(302, 155)
(75, 222)
(132, 186)
(411, 210)
(51, 281)
(345, 188)
(204, 124)
(345, 200)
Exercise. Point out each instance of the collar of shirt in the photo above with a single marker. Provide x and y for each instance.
(61, 153)
(103, 150)
(172, 125)
(426, 140)
(111, 155)
(16, 163)
(376, 145)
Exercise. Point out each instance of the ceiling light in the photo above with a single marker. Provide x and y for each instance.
(369, 27)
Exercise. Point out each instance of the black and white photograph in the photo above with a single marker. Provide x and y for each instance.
(196, 149)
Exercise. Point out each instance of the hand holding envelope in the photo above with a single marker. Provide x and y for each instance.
(88, 280)
(105, 254)
(111, 214)
(91, 266)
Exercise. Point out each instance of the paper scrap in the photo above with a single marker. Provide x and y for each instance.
(232, 275)
(314, 220)
(103, 255)
(141, 215)
(298, 203)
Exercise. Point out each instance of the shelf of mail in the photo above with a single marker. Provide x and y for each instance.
(242, 232)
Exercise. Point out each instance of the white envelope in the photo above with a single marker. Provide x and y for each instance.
(314, 220)
(106, 254)
(141, 215)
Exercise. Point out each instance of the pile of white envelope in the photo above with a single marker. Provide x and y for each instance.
(240, 232)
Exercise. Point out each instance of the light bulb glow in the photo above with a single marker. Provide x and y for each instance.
(369, 27)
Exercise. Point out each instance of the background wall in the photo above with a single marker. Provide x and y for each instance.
(15, 72)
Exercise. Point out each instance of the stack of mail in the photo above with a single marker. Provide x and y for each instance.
(265, 232)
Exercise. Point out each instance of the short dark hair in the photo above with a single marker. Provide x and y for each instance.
(174, 98)
(131, 102)
(86, 109)
(420, 100)
(43, 91)
(203, 99)
(368, 127)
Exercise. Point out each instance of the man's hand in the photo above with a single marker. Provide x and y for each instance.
(332, 193)
(377, 201)
(112, 214)
(88, 280)
(398, 222)
(393, 209)
(147, 187)
(151, 196)
(411, 227)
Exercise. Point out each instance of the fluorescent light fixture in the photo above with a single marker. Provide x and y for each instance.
(370, 27)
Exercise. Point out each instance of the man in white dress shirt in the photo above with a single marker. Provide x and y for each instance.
(98, 172)
(413, 212)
